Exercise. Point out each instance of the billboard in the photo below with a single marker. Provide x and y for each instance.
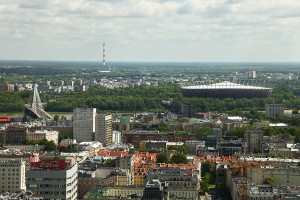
(50, 164)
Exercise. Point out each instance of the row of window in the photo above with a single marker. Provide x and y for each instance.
(46, 179)
(46, 186)
(10, 178)
(10, 174)
(9, 169)
(10, 186)
(49, 193)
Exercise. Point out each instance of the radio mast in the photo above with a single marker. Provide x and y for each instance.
(103, 54)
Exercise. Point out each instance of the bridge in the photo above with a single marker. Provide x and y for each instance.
(36, 106)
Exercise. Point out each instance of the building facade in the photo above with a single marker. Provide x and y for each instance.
(12, 175)
(254, 141)
(13, 135)
(39, 135)
(135, 137)
(274, 109)
(53, 179)
(104, 129)
(84, 124)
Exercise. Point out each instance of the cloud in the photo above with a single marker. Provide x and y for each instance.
(152, 25)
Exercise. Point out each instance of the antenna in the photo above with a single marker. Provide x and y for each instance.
(104, 54)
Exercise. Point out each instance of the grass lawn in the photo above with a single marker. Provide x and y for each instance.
(13, 113)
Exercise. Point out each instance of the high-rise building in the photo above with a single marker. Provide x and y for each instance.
(53, 178)
(104, 129)
(84, 124)
(61, 83)
(12, 176)
(252, 74)
(254, 140)
(274, 109)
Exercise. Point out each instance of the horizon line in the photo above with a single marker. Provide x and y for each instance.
(119, 61)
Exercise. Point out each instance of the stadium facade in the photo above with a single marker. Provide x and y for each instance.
(226, 89)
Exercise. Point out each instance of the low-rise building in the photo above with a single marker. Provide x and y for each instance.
(175, 177)
(39, 135)
(25, 148)
(229, 147)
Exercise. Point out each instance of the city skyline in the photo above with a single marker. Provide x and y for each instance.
(151, 30)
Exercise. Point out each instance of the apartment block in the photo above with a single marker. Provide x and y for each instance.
(12, 175)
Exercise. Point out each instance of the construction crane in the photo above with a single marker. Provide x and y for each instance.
(241, 166)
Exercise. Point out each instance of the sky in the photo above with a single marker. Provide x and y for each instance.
(151, 30)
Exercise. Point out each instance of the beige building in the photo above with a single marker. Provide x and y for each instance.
(289, 153)
(289, 175)
(183, 192)
(125, 191)
(139, 180)
(104, 129)
(12, 175)
(39, 135)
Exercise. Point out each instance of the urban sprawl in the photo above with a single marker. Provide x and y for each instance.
(145, 133)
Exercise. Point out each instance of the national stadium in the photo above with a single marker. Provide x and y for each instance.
(226, 89)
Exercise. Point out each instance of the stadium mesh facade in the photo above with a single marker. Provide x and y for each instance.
(226, 90)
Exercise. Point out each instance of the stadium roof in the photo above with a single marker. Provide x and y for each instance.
(224, 85)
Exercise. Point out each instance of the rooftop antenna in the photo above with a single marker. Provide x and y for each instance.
(104, 54)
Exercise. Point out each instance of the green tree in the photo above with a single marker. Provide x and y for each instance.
(72, 148)
(270, 180)
(205, 130)
(162, 158)
(204, 186)
(295, 112)
(223, 191)
(208, 178)
(178, 149)
(50, 146)
(111, 162)
(162, 127)
(179, 158)
(256, 150)
(28, 142)
(207, 167)
(56, 118)
(43, 141)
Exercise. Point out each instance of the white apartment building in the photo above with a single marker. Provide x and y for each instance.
(84, 124)
(12, 175)
(116, 137)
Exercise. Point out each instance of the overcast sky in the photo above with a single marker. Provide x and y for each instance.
(150, 30)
